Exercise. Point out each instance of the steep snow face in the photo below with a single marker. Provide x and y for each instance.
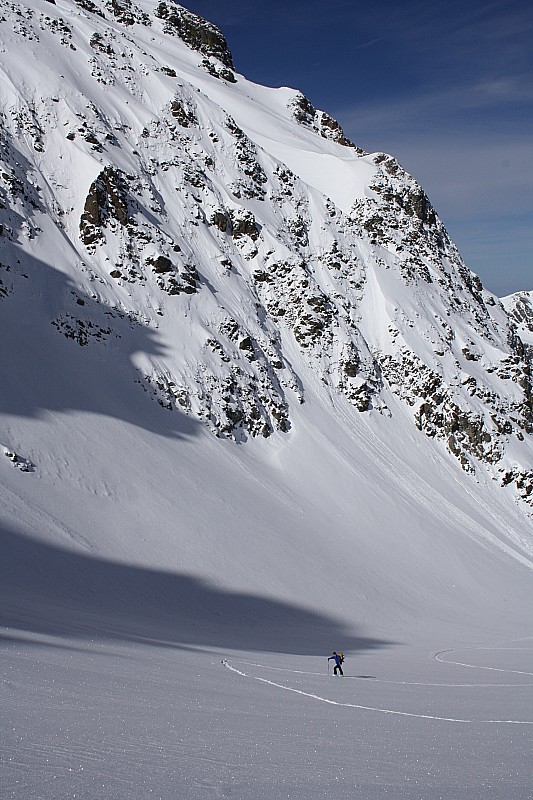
(146, 185)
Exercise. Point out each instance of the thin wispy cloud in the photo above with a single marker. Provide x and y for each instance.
(442, 103)
(370, 43)
(446, 87)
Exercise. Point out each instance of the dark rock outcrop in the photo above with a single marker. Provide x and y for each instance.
(321, 122)
(107, 199)
(196, 32)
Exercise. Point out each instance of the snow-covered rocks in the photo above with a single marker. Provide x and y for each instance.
(18, 461)
(519, 306)
(270, 253)
(271, 413)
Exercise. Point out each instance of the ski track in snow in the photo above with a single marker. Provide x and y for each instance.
(410, 683)
(437, 656)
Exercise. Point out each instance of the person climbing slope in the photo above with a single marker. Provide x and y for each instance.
(338, 658)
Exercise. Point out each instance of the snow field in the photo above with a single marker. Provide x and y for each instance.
(144, 720)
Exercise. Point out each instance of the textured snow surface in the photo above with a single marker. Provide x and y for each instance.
(140, 721)
(169, 597)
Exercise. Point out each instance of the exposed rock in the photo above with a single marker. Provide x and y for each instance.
(195, 31)
(18, 461)
(329, 128)
(520, 309)
(161, 264)
(373, 306)
(303, 110)
(107, 199)
(222, 221)
(254, 177)
(243, 223)
(5, 289)
(175, 282)
(319, 121)
(88, 5)
(217, 71)
(98, 42)
(79, 330)
(183, 112)
(127, 12)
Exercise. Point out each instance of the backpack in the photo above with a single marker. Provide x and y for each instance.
(341, 657)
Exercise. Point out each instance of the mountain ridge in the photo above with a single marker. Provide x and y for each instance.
(293, 255)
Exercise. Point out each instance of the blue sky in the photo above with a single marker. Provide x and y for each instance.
(446, 87)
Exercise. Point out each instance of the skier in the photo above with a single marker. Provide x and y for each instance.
(338, 658)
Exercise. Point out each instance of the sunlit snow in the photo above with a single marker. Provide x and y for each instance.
(169, 597)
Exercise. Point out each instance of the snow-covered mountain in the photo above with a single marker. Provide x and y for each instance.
(252, 397)
(266, 249)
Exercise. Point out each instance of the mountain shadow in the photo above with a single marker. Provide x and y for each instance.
(63, 349)
(49, 591)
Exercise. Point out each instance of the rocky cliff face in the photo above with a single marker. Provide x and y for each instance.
(174, 193)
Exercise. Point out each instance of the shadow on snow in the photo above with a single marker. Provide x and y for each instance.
(45, 370)
(45, 590)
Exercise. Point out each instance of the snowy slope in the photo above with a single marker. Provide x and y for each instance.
(197, 193)
(255, 407)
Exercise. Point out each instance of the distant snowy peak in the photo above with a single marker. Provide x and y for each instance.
(519, 306)
(274, 259)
